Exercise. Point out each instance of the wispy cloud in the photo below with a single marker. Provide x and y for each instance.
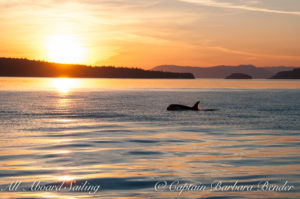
(246, 7)
(251, 54)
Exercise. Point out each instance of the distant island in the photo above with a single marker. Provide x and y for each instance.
(238, 76)
(294, 74)
(14, 67)
(224, 71)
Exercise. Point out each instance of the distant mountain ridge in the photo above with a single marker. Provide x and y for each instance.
(224, 71)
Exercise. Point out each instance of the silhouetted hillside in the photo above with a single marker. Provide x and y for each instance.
(238, 76)
(294, 74)
(224, 71)
(28, 68)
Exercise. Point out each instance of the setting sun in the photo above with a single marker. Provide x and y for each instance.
(64, 49)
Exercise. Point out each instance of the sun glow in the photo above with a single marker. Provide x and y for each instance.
(65, 49)
(64, 85)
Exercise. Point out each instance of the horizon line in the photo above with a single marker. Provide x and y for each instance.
(148, 67)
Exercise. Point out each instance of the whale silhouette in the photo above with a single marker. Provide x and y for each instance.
(179, 107)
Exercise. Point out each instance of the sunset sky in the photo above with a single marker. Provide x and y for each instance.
(146, 33)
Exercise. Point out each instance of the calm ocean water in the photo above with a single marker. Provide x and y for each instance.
(98, 141)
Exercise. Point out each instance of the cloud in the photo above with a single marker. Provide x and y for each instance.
(246, 7)
(250, 54)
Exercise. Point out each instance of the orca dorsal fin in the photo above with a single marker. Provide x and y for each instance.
(196, 106)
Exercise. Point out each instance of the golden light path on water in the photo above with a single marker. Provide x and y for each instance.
(64, 85)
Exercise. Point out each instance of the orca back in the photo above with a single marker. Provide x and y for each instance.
(179, 107)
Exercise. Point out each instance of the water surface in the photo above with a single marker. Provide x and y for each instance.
(117, 134)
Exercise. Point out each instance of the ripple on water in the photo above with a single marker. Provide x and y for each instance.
(126, 141)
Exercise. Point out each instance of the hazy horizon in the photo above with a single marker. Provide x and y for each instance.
(152, 67)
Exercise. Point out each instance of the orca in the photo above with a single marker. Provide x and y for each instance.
(179, 107)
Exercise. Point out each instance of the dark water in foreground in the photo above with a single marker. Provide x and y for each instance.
(128, 144)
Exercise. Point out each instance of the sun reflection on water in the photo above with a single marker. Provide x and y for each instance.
(63, 152)
(64, 85)
(66, 178)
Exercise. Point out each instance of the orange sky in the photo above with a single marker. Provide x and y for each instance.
(143, 33)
